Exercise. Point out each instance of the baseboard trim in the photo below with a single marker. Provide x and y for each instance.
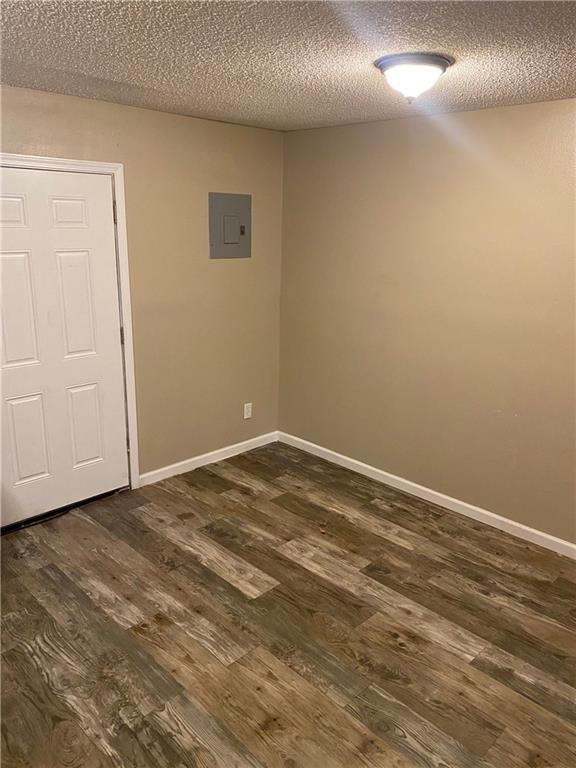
(207, 458)
(519, 530)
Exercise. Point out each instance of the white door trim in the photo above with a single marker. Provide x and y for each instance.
(116, 172)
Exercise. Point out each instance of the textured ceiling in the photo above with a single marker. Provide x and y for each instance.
(287, 65)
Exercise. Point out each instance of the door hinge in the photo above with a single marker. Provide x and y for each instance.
(114, 216)
(122, 335)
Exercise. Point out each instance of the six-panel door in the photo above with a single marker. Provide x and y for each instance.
(64, 416)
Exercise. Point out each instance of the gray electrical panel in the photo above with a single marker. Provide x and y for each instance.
(230, 220)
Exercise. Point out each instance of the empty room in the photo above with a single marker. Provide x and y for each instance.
(288, 384)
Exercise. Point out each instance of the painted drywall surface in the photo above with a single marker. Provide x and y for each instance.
(205, 332)
(428, 321)
(428, 303)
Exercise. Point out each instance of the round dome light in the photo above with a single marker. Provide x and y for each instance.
(413, 73)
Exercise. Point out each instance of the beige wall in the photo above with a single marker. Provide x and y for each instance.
(205, 332)
(428, 303)
(428, 289)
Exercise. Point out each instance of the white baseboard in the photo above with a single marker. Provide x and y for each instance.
(207, 458)
(560, 546)
(455, 505)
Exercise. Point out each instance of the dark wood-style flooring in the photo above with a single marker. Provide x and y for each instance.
(277, 610)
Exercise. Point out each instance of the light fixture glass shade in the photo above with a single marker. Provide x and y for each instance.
(413, 73)
(413, 79)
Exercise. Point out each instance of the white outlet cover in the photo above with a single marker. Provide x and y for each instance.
(247, 410)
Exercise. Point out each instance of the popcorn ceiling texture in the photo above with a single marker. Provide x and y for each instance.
(288, 65)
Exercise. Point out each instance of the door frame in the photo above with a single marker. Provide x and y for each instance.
(116, 173)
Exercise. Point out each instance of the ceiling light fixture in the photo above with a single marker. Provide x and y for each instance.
(413, 73)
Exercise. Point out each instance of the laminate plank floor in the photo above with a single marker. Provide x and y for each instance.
(274, 610)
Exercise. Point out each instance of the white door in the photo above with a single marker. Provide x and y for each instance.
(63, 404)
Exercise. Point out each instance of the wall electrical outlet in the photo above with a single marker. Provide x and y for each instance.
(247, 410)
